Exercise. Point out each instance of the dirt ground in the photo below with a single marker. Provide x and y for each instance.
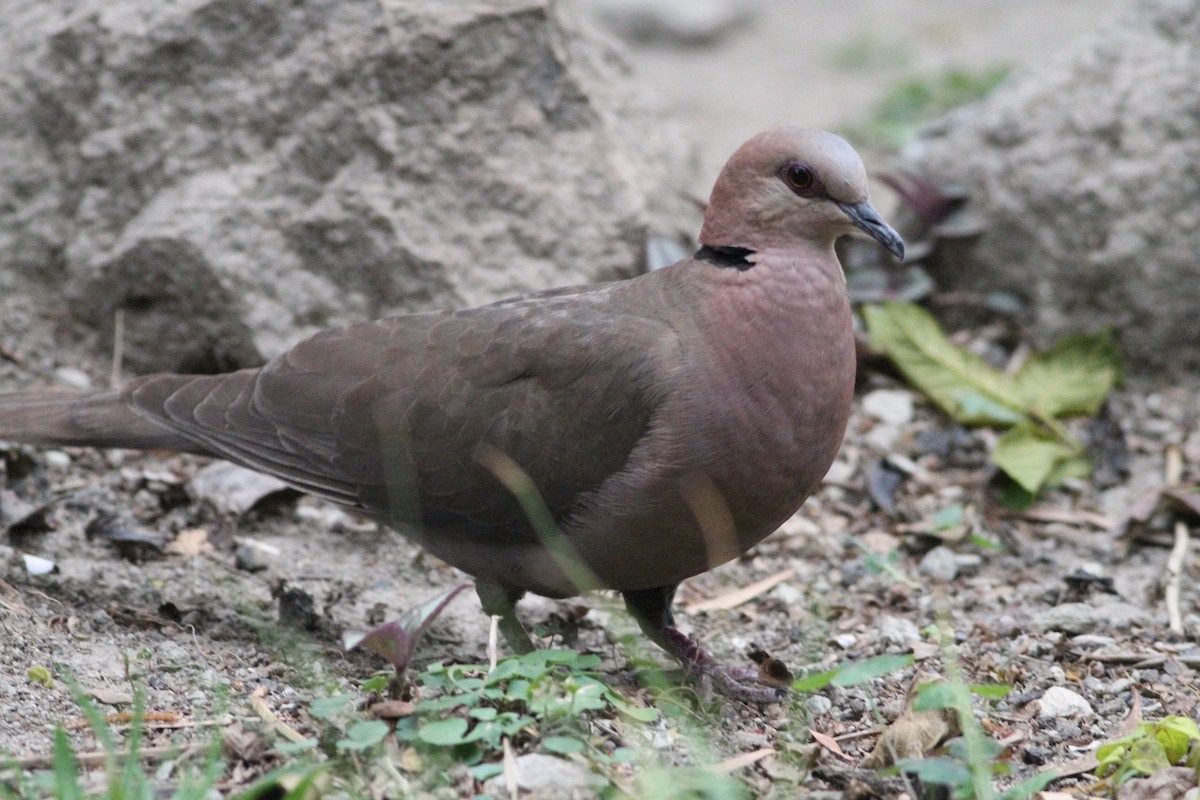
(1059, 604)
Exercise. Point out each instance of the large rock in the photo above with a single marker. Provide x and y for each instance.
(1087, 172)
(235, 174)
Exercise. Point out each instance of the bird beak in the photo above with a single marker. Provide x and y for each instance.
(868, 219)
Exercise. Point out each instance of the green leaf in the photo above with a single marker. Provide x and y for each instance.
(329, 707)
(444, 732)
(66, 768)
(949, 517)
(631, 710)
(1147, 756)
(941, 694)
(869, 669)
(962, 384)
(1030, 786)
(1176, 735)
(942, 771)
(482, 772)
(1034, 459)
(1073, 377)
(363, 734)
(990, 691)
(814, 682)
(564, 745)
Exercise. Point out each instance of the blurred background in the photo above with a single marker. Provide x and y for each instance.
(873, 70)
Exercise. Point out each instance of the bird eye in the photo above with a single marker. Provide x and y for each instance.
(799, 177)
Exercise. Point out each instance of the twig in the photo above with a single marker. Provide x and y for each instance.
(99, 758)
(510, 769)
(9, 355)
(268, 716)
(744, 760)
(1139, 660)
(739, 596)
(493, 645)
(1080, 518)
(118, 355)
(1179, 549)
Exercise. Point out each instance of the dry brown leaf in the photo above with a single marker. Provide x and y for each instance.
(914, 733)
(738, 596)
(830, 744)
(190, 543)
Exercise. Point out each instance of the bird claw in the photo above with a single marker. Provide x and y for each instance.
(713, 677)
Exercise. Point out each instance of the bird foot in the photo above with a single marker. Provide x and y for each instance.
(739, 683)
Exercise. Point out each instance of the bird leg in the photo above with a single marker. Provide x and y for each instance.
(652, 609)
(500, 601)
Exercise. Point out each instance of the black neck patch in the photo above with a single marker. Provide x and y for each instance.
(734, 257)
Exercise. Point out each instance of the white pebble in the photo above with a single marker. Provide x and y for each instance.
(891, 406)
(1060, 702)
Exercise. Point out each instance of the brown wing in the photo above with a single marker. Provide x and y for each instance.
(389, 416)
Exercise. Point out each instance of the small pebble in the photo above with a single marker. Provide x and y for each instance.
(56, 459)
(73, 377)
(1059, 702)
(818, 705)
(845, 640)
(939, 564)
(250, 558)
(898, 631)
(891, 406)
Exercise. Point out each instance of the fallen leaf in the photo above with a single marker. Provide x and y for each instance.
(741, 595)
(232, 489)
(830, 744)
(111, 697)
(190, 543)
(913, 733)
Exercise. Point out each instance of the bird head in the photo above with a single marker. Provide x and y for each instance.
(792, 185)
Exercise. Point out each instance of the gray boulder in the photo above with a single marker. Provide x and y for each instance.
(235, 174)
(1086, 171)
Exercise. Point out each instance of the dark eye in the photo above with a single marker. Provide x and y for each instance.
(799, 177)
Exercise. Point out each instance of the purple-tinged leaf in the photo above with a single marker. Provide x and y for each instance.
(397, 640)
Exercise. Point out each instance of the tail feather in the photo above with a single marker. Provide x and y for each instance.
(87, 419)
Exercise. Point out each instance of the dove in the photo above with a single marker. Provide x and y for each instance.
(622, 436)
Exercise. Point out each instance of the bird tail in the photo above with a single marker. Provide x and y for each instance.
(83, 419)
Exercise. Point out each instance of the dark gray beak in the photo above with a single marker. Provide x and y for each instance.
(868, 219)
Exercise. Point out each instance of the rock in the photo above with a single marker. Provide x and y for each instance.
(250, 558)
(818, 705)
(1061, 703)
(234, 177)
(898, 631)
(1077, 618)
(688, 22)
(890, 406)
(232, 489)
(1164, 784)
(73, 378)
(543, 776)
(1077, 168)
(939, 564)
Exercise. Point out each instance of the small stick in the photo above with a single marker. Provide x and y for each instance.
(99, 758)
(268, 716)
(1179, 549)
(493, 645)
(114, 378)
